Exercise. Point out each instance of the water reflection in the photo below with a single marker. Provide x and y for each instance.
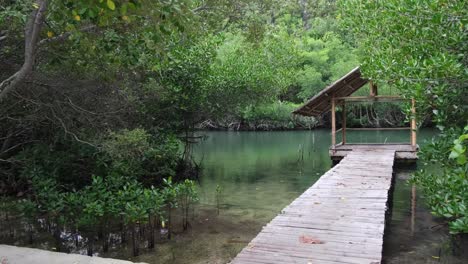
(413, 235)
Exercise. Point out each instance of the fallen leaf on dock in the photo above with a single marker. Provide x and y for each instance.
(310, 240)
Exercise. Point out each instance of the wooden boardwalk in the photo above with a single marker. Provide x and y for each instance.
(340, 219)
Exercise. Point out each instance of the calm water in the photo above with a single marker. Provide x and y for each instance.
(259, 173)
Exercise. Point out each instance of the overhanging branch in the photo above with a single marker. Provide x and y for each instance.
(32, 31)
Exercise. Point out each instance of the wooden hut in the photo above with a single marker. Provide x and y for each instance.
(337, 94)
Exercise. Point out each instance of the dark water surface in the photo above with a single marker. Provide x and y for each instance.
(250, 176)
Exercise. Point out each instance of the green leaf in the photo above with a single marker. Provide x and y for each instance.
(453, 155)
(461, 160)
(91, 13)
(123, 9)
(111, 4)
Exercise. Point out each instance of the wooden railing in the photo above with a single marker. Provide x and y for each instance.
(342, 101)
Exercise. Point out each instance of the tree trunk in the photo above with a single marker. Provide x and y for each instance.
(6, 144)
(135, 241)
(151, 225)
(57, 238)
(90, 245)
(123, 232)
(169, 229)
(31, 38)
(77, 241)
(31, 240)
(105, 244)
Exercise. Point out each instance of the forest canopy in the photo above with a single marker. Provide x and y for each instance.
(99, 100)
(420, 48)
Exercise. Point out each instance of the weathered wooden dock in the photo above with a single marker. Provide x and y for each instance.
(404, 153)
(340, 219)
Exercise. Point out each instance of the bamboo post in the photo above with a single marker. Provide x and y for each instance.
(333, 122)
(343, 123)
(413, 123)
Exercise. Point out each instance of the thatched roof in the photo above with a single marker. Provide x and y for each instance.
(321, 102)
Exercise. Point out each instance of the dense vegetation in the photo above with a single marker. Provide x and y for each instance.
(420, 48)
(99, 99)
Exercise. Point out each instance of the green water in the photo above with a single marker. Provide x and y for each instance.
(259, 173)
(262, 172)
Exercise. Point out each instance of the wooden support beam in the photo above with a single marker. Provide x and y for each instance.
(381, 98)
(343, 123)
(333, 121)
(373, 89)
(413, 122)
(377, 128)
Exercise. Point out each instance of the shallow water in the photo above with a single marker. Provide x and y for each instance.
(259, 173)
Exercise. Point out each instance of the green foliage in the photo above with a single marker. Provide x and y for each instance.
(187, 193)
(459, 149)
(14, 13)
(277, 111)
(169, 193)
(102, 36)
(245, 73)
(89, 154)
(7, 206)
(180, 87)
(276, 115)
(62, 163)
(310, 81)
(187, 196)
(28, 209)
(447, 189)
(418, 47)
(322, 61)
(134, 153)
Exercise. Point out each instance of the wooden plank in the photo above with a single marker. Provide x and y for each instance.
(377, 128)
(383, 98)
(275, 256)
(340, 219)
(330, 249)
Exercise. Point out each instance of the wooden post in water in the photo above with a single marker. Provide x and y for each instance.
(413, 122)
(333, 121)
(413, 208)
(343, 123)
